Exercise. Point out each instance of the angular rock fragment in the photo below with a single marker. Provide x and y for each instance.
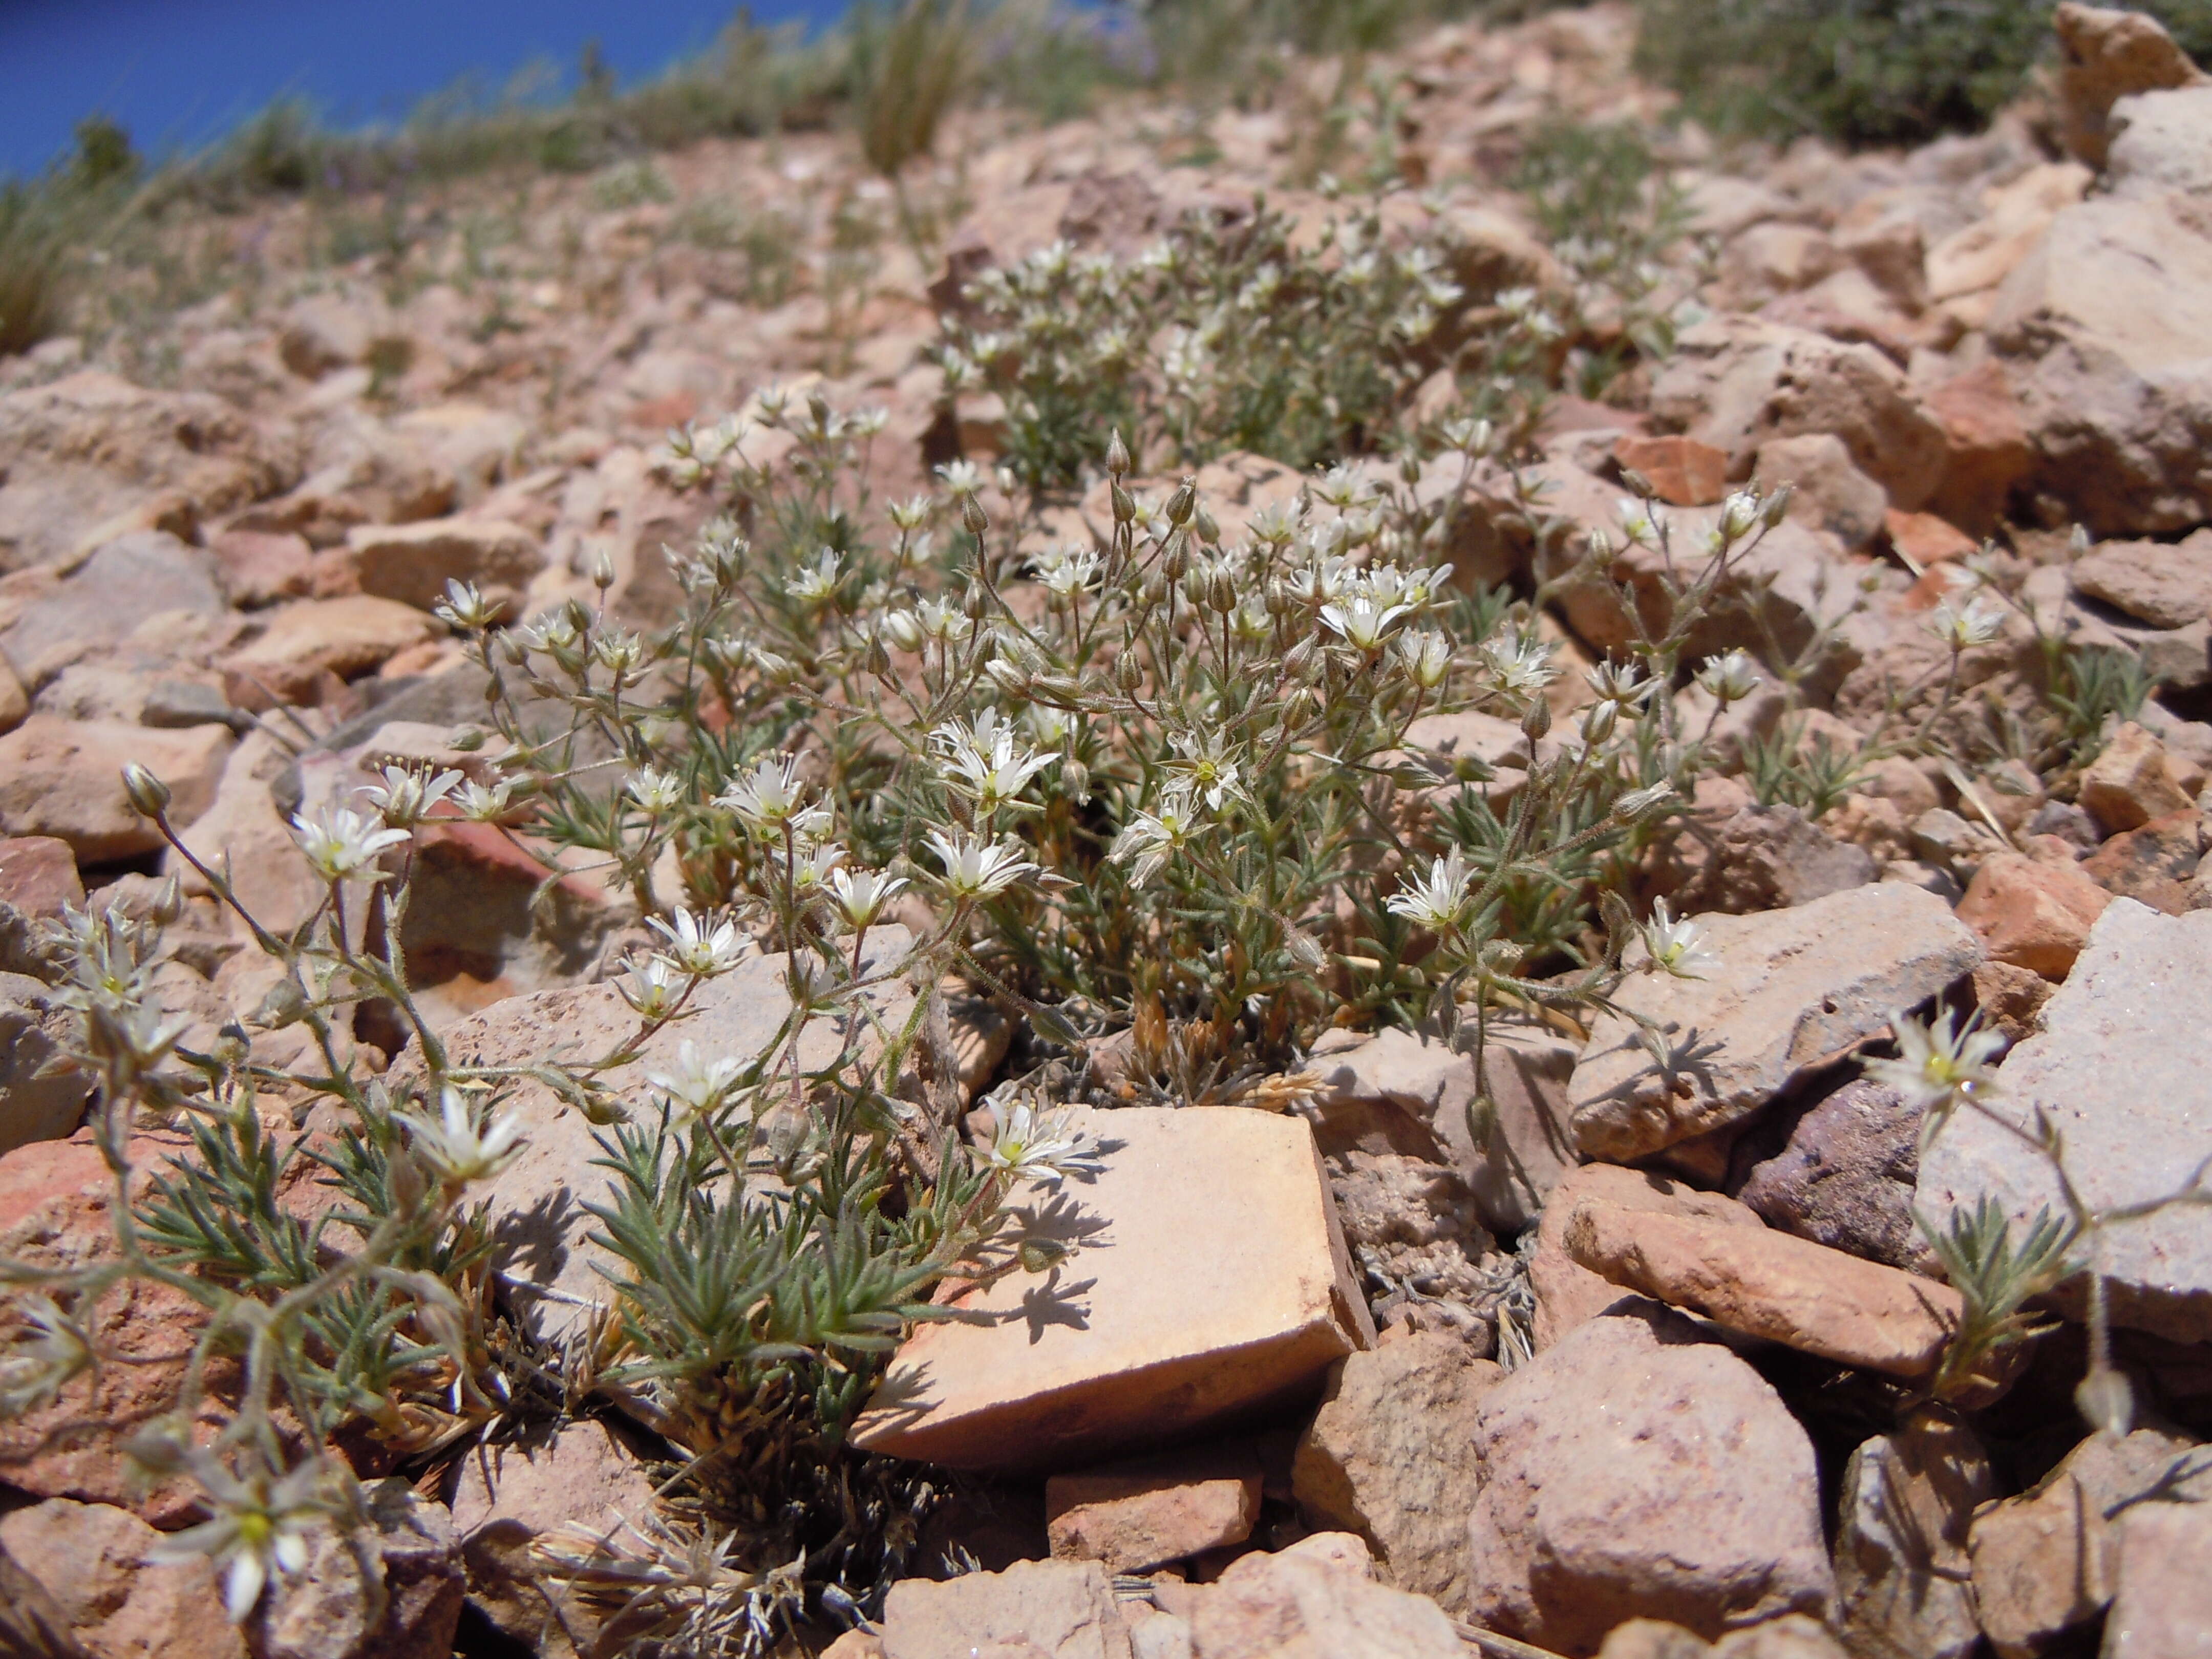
(1210, 1277)
(1318, 1596)
(1386, 1457)
(2162, 1598)
(1638, 1469)
(1788, 988)
(1568, 1294)
(65, 778)
(1062, 1609)
(1760, 1283)
(1844, 1177)
(2032, 913)
(2122, 1071)
(1146, 1512)
(1903, 1577)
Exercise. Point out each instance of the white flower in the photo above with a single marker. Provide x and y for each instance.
(1939, 1065)
(465, 608)
(1361, 624)
(944, 620)
(1619, 682)
(975, 869)
(1438, 900)
(1065, 571)
(812, 870)
(480, 805)
(902, 631)
(1635, 520)
(260, 1527)
(860, 894)
(983, 760)
(343, 844)
(1977, 624)
(52, 1349)
(1730, 679)
(816, 584)
(702, 948)
(1739, 514)
(963, 479)
(656, 792)
(407, 795)
(454, 1147)
(1522, 668)
(650, 986)
(695, 1084)
(1677, 945)
(770, 797)
(1038, 1147)
(1204, 769)
(1152, 837)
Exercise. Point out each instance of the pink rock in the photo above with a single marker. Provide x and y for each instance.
(1567, 1293)
(96, 1562)
(38, 876)
(1317, 1598)
(1059, 1609)
(2031, 913)
(1143, 1514)
(1638, 1469)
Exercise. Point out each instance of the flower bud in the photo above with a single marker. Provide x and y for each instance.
(1117, 456)
(1208, 531)
(1641, 804)
(1075, 779)
(1221, 590)
(1125, 504)
(603, 570)
(1409, 468)
(1129, 672)
(972, 519)
(149, 795)
(1536, 721)
(1305, 950)
(976, 602)
(1599, 721)
(169, 903)
(1175, 554)
(1300, 661)
(1777, 506)
(1183, 503)
(1637, 484)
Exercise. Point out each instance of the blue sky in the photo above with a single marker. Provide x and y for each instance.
(178, 73)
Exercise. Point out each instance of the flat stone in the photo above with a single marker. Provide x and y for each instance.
(42, 1094)
(2166, 584)
(65, 778)
(1789, 988)
(1638, 1469)
(130, 581)
(1772, 1285)
(2122, 1070)
(1319, 1596)
(1903, 1582)
(2045, 1562)
(1211, 1277)
(2162, 1603)
(412, 562)
(509, 1496)
(391, 1589)
(2032, 913)
(2153, 864)
(1386, 1457)
(1059, 1609)
(537, 1202)
(2132, 781)
(1681, 471)
(1844, 1176)
(96, 1562)
(1146, 1512)
(309, 638)
(1568, 1294)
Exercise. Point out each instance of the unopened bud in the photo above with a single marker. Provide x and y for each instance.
(972, 518)
(1409, 468)
(1641, 804)
(1208, 531)
(1279, 598)
(578, 618)
(603, 570)
(875, 659)
(1129, 672)
(1175, 555)
(976, 602)
(1536, 721)
(1637, 484)
(149, 795)
(1125, 504)
(1221, 590)
(1599, 721)
(1117, 456)
(1777, 505)
(169, 903)
(1183, 503)
(1075, 778)
(1300, 661)
(1305, 950)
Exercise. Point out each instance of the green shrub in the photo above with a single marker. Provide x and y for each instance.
(1862, 71)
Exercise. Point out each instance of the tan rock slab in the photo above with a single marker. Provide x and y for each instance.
(2046, 1561)
(1569, 1294)
(1056, 1609)
(1149, 1511)
(2131, 782)
(97, 1562)
(2162, 1605)
(1772, 1285)
(1210, 1276)
(65, 778)
(1903, 1577)
(1317, 1597)
(347, 636)
(1788, 990)
(2032, 914)
(2123, 1071)
(412, 562)
(1386, 1457)
(2165, 583)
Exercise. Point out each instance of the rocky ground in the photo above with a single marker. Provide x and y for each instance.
(1615, 1370)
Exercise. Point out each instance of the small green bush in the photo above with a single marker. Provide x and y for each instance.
(1862, 71)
